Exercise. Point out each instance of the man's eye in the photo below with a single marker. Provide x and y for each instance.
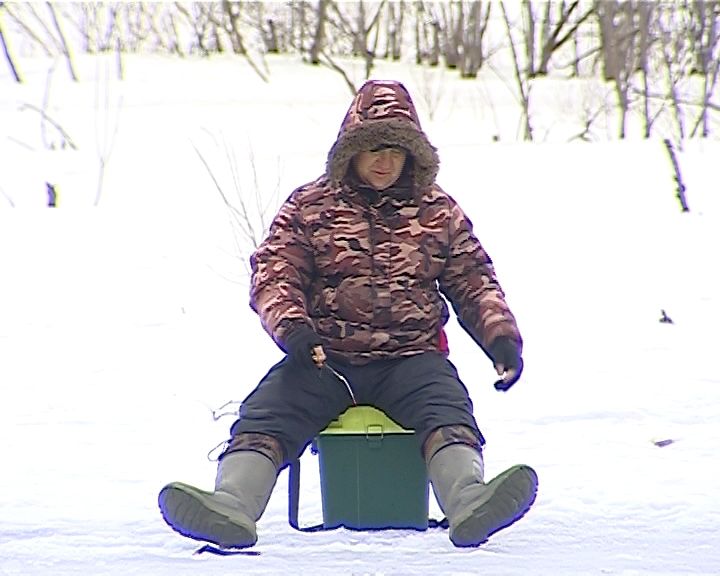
(391, 149)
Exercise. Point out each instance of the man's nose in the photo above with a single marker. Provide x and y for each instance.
(385, 158)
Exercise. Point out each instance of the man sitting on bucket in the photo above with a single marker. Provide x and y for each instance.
(352, 283)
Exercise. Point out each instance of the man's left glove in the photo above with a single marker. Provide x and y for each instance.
(508, 362)
(300, 344)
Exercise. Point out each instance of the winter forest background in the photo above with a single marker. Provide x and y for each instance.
(145, 147)
(656, 61)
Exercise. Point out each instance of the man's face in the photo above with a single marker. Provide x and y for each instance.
(380, 167)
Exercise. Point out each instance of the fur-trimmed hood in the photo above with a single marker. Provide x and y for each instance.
(382, 112)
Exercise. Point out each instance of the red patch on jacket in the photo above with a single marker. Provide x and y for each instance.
(443, 346)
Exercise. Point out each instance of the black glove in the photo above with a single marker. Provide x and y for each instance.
(299, 345)
(505, 353)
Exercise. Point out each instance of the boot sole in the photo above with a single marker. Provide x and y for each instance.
(508, 498)
(192, 513)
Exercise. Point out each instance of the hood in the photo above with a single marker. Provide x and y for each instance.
(382, 112)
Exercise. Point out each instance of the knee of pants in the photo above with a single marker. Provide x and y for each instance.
(256, 442)
(448, 435)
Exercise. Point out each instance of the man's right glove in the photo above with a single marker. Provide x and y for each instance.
(508, 362)
(300, 344)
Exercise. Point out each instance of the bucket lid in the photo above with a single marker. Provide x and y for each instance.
(364, 420)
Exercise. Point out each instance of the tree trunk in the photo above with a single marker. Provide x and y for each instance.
(522, 77)
(473, 55)
(452, 32)
(394, 30)
(645, 13)
(271, 39)
(530, 37)
(557, 34)
(8, 55)
(63, 41)
(678, 176)
(232, 13)
(398, 41)
(319, 36)
(419, 12)
(706, 41)
(621, 90)
(435, 51)
(672, 52)
(607, 10)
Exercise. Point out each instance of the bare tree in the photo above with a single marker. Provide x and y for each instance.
(49, 36)
(675, 52)
(678, 176)
(204, 27)
(522, 78)
(46, 121)
(338, 31)
(52, 133)
(360, 33)
(251, 211)
(162, 30)
(8, 198)
(6, 50)
(618, 34)
(660, 58)
(232, 23)
(473, 39)
(427, 35)
(62, 41)
(394, 32)
(98, 26)
(318, 44)
(298, 25)
(557, 27)
(431, 84)
(644, 12)
(107, 124)
(233, 27)
(707, 49)
(28, 21)
(451, 25)
(112, 38)
(613, 45)
(272, 44)
(594, 106)
(464, 26)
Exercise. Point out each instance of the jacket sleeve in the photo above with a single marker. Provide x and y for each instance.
(281, 269)
(469, 283)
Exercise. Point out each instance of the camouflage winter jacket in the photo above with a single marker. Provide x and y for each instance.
(368, 270)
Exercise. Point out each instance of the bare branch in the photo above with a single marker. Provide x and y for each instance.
(62, 42)
(330, 63)
(237, 215)
(47, 118)
(523, 83)
(678, 176)
(6, 51)
(8, 198)
(27, 29)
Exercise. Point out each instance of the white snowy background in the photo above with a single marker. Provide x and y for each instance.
(124, 324)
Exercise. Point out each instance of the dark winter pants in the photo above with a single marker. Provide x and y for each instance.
(291, 405)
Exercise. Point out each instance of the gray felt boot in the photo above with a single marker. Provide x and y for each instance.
(227, 516)
(476, 510)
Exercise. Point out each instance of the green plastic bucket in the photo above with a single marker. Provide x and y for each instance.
(372, 474)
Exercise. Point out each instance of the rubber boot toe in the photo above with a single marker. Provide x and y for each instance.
(484, 509)
(208, 516)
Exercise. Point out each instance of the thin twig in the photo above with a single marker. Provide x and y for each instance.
(46, 117)
(678, 177)
(10, 200)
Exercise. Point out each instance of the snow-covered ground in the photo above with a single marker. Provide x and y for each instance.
(123, 325)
